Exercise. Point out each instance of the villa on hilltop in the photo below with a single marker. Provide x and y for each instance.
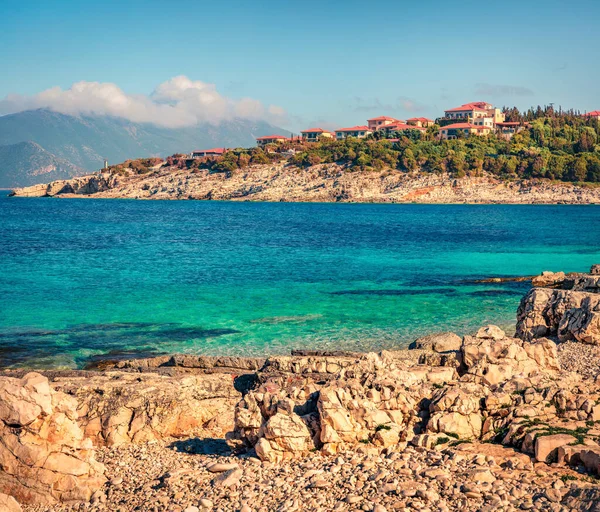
(376, 123)
(202, 153)
(360, 132)
(314, 134)
(270, 139)
(421, 122)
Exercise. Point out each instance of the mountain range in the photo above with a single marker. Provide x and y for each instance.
(37, 146)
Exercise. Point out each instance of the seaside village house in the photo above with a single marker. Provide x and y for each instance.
(377, 123)
(360, 132)
(201, 153)
(400, 127)
(452, 131)
(478, 118)
(421, 122)
(314, 134)
(270, 139)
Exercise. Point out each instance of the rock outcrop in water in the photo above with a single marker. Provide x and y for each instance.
(564, 307)
(321, 183)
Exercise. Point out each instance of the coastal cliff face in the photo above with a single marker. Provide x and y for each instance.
(321, 183)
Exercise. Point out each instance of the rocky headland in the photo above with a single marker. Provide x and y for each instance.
(483, 422)
(279, 182)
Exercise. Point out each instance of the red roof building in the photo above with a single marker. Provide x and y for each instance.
(476, 109)
(359, 132)
(451, 131)
(270, 139)
(420, 121)
(313, 134)
(399, 127)
(594, 113)
(376, 123)
(200, 153)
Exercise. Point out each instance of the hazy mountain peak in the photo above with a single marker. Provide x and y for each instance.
(34, 140)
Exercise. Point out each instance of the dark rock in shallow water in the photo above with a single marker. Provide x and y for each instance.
(505, 279)
(188, 333)
(495, 293)
(433, 291)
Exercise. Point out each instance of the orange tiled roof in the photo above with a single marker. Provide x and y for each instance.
(382, 118)
(354, 129)
(266, 137)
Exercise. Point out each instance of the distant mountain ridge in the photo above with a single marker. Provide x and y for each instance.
(38, 146)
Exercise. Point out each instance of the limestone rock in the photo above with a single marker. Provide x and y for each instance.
(491, 331)
(319, 183)
(567, 314)
(43, 455)
(9, 504)
(229, 478)
(143, 407)
(284, 435)
(546, 447)
(491, 361)
(439, 342)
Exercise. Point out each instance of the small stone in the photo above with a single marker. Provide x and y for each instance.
(205, 503)
(353, 499)
(228, 478)
(482, 475)
(221, 467)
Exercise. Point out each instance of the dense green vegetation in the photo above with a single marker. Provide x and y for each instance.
(554, 145)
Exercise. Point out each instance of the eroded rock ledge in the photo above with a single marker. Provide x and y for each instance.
(320, 183)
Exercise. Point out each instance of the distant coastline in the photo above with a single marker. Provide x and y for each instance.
(284, 182)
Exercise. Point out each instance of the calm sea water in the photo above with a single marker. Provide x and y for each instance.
(82, 278)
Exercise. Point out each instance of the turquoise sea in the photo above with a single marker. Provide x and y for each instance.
(81, 278)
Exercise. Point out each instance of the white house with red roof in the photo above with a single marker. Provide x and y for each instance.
(377, 123)
(400, 127)
(595, 114)
(201, 153)
(423, 122)
(360, 132)
(476, 109)
(452, 131)
(270, 139)
(314, 134)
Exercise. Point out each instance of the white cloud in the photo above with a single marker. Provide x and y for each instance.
(175, 103)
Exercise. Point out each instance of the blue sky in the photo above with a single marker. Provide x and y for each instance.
(331, 63)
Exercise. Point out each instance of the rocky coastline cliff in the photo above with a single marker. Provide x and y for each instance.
(483, 422)
(282, 182)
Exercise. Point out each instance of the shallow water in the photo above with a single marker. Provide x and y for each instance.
(84, 277)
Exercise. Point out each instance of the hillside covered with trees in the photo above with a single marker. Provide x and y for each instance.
(555, 145)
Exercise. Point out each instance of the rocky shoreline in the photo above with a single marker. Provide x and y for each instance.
(484, 422)
(321, 183)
